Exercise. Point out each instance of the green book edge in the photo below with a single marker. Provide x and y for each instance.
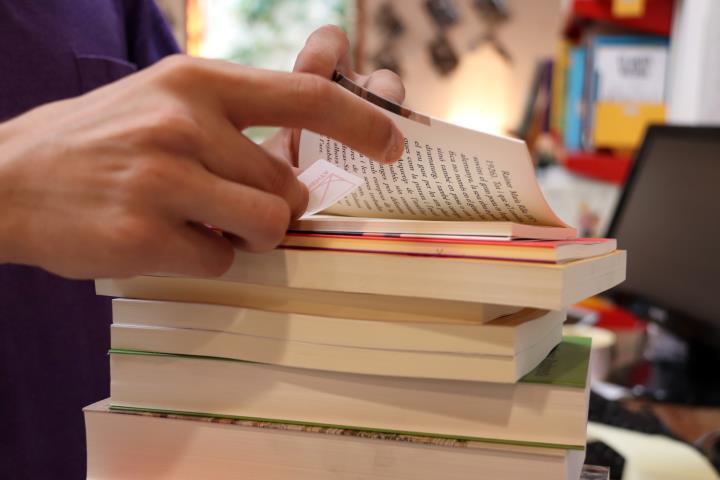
(566, 365)
(460, 438)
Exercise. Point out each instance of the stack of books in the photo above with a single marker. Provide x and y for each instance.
(312, 363)
(361, 348)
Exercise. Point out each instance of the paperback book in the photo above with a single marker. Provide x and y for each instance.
(421, 279)
(449, 181)
(502, 350)
(547, 408)
(177, 446)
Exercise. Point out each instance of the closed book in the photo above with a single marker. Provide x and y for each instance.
(557, 251)
(506, 335)
(167, 446)
(360, 306)
(482, 352)
(530, 284)
(626, 89)
(547, 408)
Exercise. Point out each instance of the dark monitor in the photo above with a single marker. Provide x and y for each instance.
(668, 219)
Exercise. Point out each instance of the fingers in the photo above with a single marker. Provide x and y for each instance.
(307, 101)
(325, 51)
(238, 159)
(258, 218)
(248, 97)
(386, 84)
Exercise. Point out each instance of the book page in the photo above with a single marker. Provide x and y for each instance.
(446, 173)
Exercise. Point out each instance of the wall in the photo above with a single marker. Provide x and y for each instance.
(484, 92)
(694, 68)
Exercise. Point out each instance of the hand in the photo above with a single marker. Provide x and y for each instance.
(121, 181)
(326, 51)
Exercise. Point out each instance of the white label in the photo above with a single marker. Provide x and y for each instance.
(631, 73)
(327, 185)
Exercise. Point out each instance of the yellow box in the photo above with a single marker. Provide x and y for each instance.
(622, 125)
(628, 8)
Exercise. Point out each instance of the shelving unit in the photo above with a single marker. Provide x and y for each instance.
(656, 18)
(582, 16)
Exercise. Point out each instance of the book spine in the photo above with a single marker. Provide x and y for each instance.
(574, 99)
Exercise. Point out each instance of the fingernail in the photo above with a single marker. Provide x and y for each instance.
(397, 146)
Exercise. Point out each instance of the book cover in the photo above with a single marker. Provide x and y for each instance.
(626, 89)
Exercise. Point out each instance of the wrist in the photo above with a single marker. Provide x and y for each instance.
(10, 242)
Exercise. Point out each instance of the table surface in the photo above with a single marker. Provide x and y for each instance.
(686, 421)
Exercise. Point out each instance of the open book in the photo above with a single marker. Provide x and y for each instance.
(450, 181)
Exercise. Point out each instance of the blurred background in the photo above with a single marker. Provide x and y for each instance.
(581, 81)
(542, 70)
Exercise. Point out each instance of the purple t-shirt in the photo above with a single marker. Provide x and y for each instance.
(54, 333)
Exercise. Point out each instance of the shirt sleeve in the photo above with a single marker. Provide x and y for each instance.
(148, 34)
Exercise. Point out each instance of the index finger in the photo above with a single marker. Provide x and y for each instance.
(298, 100)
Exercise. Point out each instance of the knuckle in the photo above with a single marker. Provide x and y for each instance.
(176, 118)
(147, 178)
(181, 73)
(177, 65)
(151, 172)
(172, 126)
